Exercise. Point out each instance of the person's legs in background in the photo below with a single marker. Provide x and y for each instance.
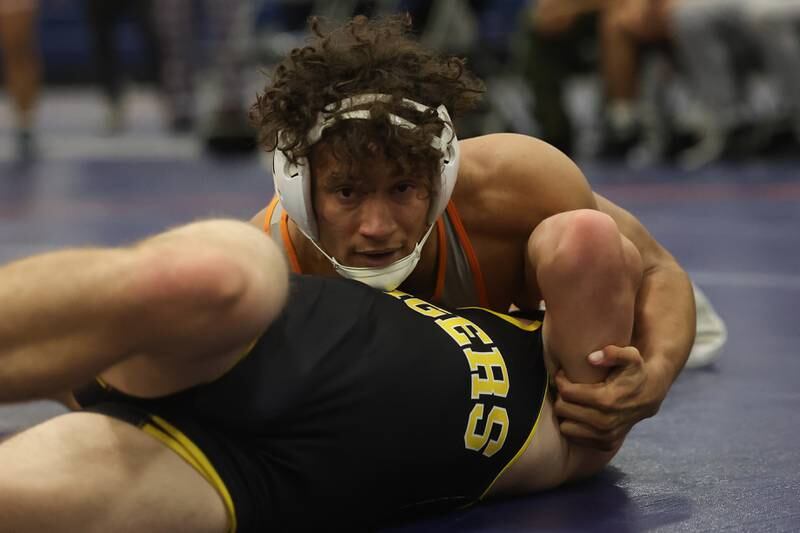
(103, 17)
(626, 27)
(174, 19)
(708, 60)
(22, 68)
(556, 52)
(776, 25)
(142, 14)
(228, 130)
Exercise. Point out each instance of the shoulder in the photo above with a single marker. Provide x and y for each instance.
(509, 180)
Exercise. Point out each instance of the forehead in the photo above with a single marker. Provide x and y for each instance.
(327, 165)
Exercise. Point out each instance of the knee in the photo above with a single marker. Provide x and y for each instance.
(583, 234)
(588, 243)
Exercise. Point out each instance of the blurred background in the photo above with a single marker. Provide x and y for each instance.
(640, 84)
(119, 118)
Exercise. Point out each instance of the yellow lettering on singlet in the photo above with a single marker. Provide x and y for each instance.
(463, 331)
(488, 373)
(424, 308)
(488, 361)
(420, 306)
(400, 295)
(473, 440)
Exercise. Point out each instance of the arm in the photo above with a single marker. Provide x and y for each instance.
(542, 182)
(665, 315)
(175, 301)
(664, 325)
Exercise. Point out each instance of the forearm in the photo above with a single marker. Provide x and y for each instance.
(664, 320)
(664, 324)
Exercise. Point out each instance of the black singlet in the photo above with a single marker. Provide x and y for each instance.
(357, 408)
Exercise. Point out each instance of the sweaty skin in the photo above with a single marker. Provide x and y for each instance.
(507, 185)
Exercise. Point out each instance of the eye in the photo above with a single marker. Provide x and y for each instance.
(346, 194)
(406, 187)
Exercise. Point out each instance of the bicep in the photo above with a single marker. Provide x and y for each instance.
(548, 181)
(653, 254)
(543, 182)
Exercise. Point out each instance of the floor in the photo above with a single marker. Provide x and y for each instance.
(721, 455)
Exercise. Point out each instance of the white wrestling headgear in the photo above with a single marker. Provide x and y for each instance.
(293, 185)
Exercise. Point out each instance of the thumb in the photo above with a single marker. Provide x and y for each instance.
(612, 355)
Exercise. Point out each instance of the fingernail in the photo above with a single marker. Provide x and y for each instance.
(596, 357)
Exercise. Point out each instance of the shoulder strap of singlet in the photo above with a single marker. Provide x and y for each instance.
(276, 224)
(441, 260)
(464, 273)
(270, 211)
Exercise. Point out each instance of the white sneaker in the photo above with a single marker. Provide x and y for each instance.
(711, 333)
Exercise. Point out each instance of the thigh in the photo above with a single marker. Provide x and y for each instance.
(91, 473)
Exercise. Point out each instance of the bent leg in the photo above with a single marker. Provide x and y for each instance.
(218, 284)
(588, 274)
(85, 472)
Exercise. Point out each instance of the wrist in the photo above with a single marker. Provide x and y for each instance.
(661, 375)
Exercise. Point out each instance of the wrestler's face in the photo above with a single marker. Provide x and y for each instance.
(368, 215)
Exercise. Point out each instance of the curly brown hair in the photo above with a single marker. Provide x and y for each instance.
(364, 56)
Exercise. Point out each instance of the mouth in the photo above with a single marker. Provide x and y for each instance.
(375, 258)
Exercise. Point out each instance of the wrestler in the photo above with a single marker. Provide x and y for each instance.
(220, 394)
(373, 184)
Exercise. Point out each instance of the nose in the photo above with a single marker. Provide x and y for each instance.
(377, 220)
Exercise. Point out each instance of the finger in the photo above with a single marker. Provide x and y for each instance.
(590, 395)
(615, 356)
(585, 436)
(598, 420)
(578, 434)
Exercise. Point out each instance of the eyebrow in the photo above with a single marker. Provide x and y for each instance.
(337, 178)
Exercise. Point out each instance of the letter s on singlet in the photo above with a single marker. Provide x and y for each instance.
(476, 441)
